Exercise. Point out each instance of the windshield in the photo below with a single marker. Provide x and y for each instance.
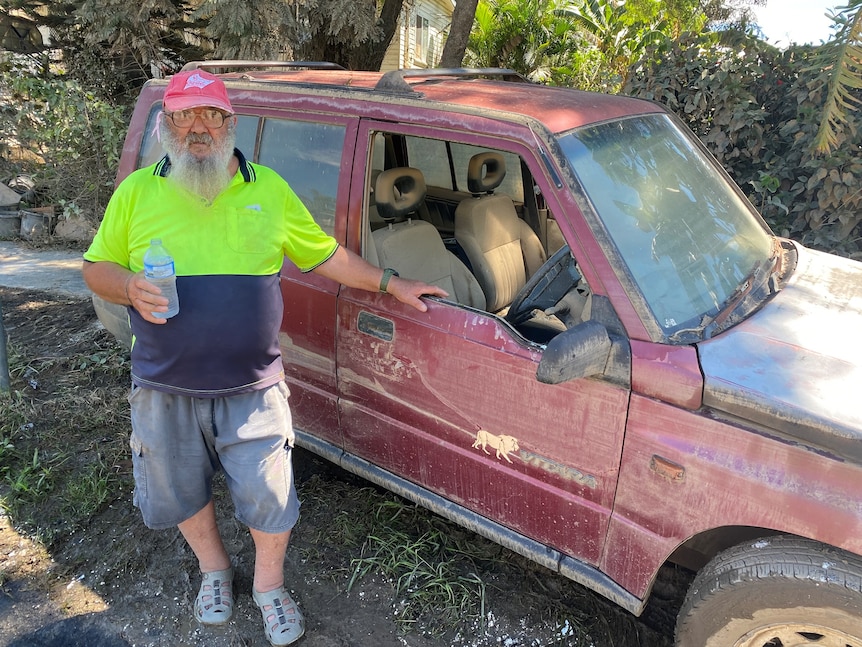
(686, 237)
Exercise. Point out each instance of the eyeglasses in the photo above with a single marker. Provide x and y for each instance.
(210, 117)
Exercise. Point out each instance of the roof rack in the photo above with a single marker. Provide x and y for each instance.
(234, 64)
(396, 80)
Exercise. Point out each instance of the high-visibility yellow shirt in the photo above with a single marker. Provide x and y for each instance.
(227, 256)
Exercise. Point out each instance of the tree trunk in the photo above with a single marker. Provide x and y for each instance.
(369, 56)
(459, 33)
(366, 56)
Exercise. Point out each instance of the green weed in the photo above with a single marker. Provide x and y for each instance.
(114, 360)
(431, 562)
(86, 494)
(32, 479)
(427, 577)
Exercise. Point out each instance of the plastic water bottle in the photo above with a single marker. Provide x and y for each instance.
(159, 270)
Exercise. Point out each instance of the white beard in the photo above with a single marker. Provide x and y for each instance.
(206, 177)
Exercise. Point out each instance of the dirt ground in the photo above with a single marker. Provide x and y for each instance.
(114, 583)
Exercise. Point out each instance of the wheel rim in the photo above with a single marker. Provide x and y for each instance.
(797, 635)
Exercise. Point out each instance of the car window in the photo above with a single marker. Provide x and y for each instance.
(308, 156)
(512, 184)
(151, 148)
(444, 164)
(378, 154)
(432, 158)
(425, 243)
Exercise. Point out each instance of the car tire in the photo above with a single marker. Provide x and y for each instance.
(775, 591)
(115, 319)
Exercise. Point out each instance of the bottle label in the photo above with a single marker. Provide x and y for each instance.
(159, 271)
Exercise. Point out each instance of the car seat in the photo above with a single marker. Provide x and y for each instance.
(414, 247)
(502, 249)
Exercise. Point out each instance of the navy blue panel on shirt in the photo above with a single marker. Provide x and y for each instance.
(224, 340)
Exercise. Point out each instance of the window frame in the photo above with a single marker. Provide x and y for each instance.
(421, 38)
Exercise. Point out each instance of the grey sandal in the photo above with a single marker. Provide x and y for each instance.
(214, 604)
(282, 619)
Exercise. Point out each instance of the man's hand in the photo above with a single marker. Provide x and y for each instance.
(145, 298)
(115, 283)
(353, 271)
(408, 292)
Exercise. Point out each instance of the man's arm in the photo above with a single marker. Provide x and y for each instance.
(353, 271)
(117, 284)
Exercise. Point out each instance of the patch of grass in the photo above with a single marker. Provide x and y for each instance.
(62, 435)
(429, 579)
(16, 464)
(430, 562)
(86, 494)
(32, 479)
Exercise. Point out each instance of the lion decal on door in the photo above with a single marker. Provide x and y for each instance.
(503, 444)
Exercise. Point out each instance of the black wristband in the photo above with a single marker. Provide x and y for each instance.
(388, 273)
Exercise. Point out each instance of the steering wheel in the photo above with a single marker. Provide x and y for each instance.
(546, 287)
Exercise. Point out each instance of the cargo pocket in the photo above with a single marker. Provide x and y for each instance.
(139, 469)
(132, 391)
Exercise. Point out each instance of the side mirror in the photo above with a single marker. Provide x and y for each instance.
(578, 352)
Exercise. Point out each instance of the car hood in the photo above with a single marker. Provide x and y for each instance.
(796, 364)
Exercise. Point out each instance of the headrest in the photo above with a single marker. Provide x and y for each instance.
(398, 191)
(485, 172)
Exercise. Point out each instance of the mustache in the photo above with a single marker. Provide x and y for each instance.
(199, 138)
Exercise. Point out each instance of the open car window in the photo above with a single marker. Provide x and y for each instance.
(490, 249)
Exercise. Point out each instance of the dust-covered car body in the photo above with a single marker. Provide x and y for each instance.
(634, 371)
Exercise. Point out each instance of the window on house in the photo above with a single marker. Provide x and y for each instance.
(423, 39)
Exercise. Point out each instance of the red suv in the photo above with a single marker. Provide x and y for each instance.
(631, 369)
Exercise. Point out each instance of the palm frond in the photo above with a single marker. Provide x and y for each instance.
(844, 53)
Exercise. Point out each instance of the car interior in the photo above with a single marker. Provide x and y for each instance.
(481, 232)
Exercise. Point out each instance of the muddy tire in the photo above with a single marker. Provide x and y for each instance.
(777, 591)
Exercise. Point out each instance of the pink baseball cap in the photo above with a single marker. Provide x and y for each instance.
(196, 89)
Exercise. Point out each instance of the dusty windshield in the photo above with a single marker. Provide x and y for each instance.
(688, 240)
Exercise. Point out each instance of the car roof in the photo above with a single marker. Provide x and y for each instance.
(485, 90)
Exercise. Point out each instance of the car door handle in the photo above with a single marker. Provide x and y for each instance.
(375, 326)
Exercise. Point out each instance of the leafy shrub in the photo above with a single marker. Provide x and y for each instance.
(63, 135)
(757, 109)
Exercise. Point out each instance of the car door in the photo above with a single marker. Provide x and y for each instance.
(449, 400)
(308, 151)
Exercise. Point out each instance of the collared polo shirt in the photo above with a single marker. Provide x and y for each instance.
(227, 255)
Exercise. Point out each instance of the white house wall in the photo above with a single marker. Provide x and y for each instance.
(402, 49)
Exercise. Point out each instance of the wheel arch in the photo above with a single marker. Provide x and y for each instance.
(695, 553)
(698, 550)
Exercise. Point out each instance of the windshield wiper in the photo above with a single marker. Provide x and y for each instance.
(759, 284)
(762, 275)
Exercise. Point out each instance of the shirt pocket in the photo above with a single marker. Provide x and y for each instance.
(251, 230)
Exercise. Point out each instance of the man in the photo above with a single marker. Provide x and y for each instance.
(208, 388)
